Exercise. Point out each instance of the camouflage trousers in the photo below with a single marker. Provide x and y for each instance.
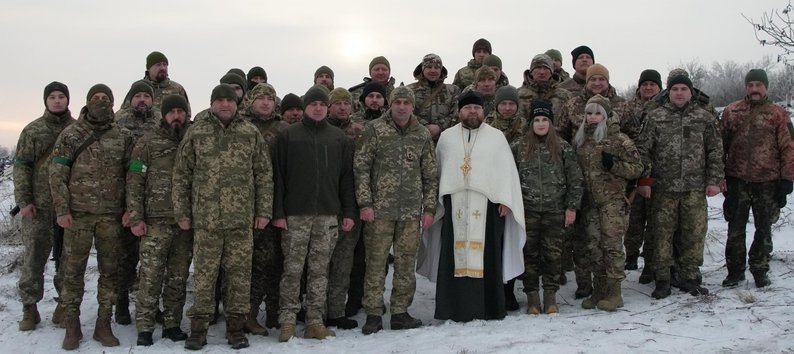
(213, 250)
(543, 250)
(129, 248)
(639, 232)
(605, 225)
(309, 241)
(103, 232)
(740, 198)
(379, 237)
(580, 248)
(166, 252)
(266, 268)
(339, 270)
(37, 237)
(671, 211)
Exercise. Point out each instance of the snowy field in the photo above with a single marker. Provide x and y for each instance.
(739, 320)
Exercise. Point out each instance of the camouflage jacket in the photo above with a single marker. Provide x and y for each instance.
(33, 159)
(351, 128)
(548, 185)
(441, 109)
(92, 182)
(572, 112)
(366, 115)
(204, 114)
(488, 106)
(604, 186)
(149, 177)
(136, 125)
(632, 116)
(532, 90)
(560, 75)
(269, 128)
(465, 75)
(395, 170)
(161, 89)
(223, 177)
(513, 127)
(357, 90)
(759, 150)
(699, 97)
(574, 85)
(681, 148)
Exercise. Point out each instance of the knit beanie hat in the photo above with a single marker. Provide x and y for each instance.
(601, 101)
(140, 86)
(679, 79)
(471, 97)
(173, 101)
(99, 88)
(379, 60)
(223, 91)
(541, 61)
(402, 92)
(263, 89)
(291, 100)
(481, 43)
(256, 71)
(757, 75)
(237, 71)
(554, 54)
(650, 75)
(597, 69)
(315, 93)
(431, 59)
(56, 86)
(483, 73)
(582, 49)
(339, 94)
(506, 93)
(541, 108)
(492, 60)
(232, 78)
(154, 58)
(324, 70)
(371, 87)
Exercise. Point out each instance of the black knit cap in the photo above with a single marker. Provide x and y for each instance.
(582, 49)
(140, 86)
(324, 70)
(541, 108)
(650, 75)
(154, 58)
(757, 75)
(99, 88)
(56, 86)
(237, 71)
(471, 97)
(481, 43)
(315, 93)
(257, 71)
(234, 78)
(223, 91)
(679, 79)
(291, 100)
(371, 87)
(173, 101)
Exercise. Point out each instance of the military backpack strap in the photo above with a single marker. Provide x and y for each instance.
(90, 140)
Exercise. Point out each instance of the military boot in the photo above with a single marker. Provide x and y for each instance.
(584, 285)
(123, 308)
(317, 331)
(597, 294)
(71, 340)
(251, 324)
(374, 324)
(563, 278)
(733, 279)
(631, 262)
(30, 318)
(103, 333)
(145, 339)
(404, 321)
(287, 332)
(533, 303)
(198, 335)
(57, 316)
(234, 332)
(175, 334)
(550, 302)
(271, 320)
(341, 323)
(761, 279)
(647, 275)
(352, 306)
(613, 298)
(511, 303)
(693, 288)
(662, 289)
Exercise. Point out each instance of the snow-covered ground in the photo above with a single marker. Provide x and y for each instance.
(739, 320)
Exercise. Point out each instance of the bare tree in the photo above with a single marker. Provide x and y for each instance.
(781, 84)
(698, 72)
(775, 29)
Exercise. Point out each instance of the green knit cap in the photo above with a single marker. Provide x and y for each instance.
(757, 75)
(339, 94)
(554, 54)
(315, 93)
(154, 58)
(379, 60)
(99, 88)
(492, 60)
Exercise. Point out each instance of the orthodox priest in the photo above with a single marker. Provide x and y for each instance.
(475, 243)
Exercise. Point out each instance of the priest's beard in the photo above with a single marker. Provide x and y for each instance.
(471, 122)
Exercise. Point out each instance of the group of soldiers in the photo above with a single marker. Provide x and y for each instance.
(297, 200)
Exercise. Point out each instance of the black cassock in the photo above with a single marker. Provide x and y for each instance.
(463, 299)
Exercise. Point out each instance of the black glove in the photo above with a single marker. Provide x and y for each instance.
(784, 188)
(607, 160)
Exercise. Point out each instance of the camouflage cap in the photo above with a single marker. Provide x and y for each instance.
(506, 93)
(324, 70)
(582, 49)
(481, 43)
(483, 73)
(339, 94)
(601, 101)
(262, 89)
(291, 100)
(173, 101)
(223, 91)
(56, 86)
(154, 58)
(597, 69)
(677, 72)
(140, 86)
(757, 75)
(402, 92)
(97, 89)
(554, 54)
(541, 61)
(315, 93)
(379, 60)
(256, 71)
(492, 60)
(431, 59)
(650, 75)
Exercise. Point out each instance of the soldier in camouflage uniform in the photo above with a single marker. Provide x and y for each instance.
(484, 83)
(759, 169)
(133, 121)
(373, 99)
(324, 76)
(505, 117)
(539, 84)
(166, 251)
(436, 101)
(340, 105)
(314, 186)
(256, 75)
(380, 72)
(609, 159)
(559, 74)
(631, 121)
(495, 63)
(465, 75)
(156, 75)
(682, 153)
(87, 184)
(32, 196)
(222, 189)
(396, 183)
(551, 185)
(698, 97)
(291, 108)
(582, 57)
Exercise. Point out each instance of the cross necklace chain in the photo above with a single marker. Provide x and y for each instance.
(467, 148)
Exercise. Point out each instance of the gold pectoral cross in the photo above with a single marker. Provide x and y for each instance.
(466, 167)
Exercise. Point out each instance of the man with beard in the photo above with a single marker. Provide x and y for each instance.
(222, 189)
(324, 76)
(373, 98)
(165, 250)
(465, 75)
(436, 101)
(380, 72)
(32, 195)
(87, 182)
(156, 75)
(134, 121)
(475, 244)
(558, 73)
(291, 108)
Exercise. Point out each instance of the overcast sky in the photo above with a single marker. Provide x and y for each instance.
(81, 42)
